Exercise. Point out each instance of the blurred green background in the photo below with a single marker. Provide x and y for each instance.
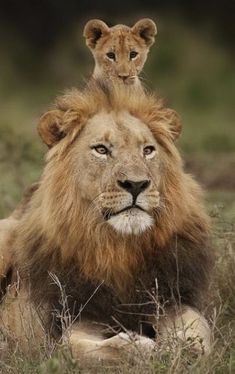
(42, 52)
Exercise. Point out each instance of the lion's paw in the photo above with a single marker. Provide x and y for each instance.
(130, 340)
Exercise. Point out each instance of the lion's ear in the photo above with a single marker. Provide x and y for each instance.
(174, 123)
(93, 31)
(146, 29)
(50, 127)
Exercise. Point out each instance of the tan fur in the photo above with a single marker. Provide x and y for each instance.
(120, 40)
(87, 341)
(186, 326)
(100, 39)
(66, 209)
(19, 321)
(7, 227)
(75, 110)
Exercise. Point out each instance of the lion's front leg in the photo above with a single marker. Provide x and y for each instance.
(19, 321)
(187, 326)
(88, 344)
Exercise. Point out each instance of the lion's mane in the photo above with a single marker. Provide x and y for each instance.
(96, 267)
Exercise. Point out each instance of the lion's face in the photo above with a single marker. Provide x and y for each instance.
(112, 157)
(120, 167)
(120, 51)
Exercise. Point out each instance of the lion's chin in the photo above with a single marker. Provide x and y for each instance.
(132, 221)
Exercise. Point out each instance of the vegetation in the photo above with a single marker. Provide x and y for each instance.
(196, 75)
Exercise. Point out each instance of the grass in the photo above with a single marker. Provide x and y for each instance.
(220, 312)
(197, 76)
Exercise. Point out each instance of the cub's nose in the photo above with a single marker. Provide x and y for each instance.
(123, 76)
(134, 188)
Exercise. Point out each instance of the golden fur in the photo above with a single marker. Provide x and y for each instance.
(70, 116)
(120, 51)
(7, 227)
(64, 231)
(121, 40)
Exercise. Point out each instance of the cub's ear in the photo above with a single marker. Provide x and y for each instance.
(93, 31)
(50, 127)
(174, 123)
(146, 29)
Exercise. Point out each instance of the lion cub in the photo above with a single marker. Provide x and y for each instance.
(120, 51)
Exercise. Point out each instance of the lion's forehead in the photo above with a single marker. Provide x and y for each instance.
(121, 128)
(122, 41)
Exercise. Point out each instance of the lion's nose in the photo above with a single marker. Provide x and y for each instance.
(134, 188)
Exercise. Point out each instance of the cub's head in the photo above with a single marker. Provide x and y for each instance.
(120, 51)
(112, 156)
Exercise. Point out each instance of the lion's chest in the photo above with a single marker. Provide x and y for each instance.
(97, 302)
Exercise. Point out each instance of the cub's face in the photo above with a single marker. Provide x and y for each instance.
(120, 51)
(117, 167)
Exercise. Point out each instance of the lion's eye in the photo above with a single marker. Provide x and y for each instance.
(111, 55)
(133, 54)
(101, 149)
(149, 151)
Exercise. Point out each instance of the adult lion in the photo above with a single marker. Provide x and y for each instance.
(115, 229)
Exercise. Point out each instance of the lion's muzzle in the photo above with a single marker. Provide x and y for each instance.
(133, 187)
(128, 210)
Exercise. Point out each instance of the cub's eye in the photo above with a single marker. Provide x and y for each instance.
(111, 55)
(149, 151)
(133, 54)
(101, 149)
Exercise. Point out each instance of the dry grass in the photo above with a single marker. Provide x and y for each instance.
(178, 359)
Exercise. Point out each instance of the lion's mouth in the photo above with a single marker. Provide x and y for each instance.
(108, 213)
(129, 81)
